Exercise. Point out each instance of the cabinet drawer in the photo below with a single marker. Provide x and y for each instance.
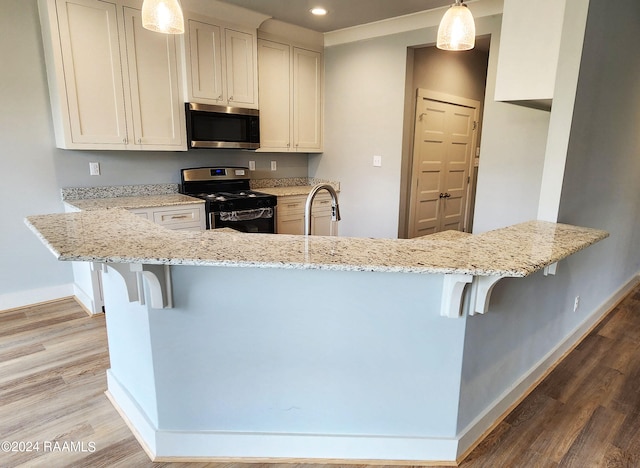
(142, 213)
(175, 218)
(296, 204)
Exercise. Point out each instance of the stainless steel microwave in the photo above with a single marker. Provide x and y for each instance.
(211, 126)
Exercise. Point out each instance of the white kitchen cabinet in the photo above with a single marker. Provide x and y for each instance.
(534, 39)
(87, 284)
(157, 110)
(220, 64)
(112, 84)
(290, 215)
(183, 217)
(290, 87)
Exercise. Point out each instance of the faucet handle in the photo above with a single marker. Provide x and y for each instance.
(335, 212)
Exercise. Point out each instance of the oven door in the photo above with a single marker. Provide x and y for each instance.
(254, 220)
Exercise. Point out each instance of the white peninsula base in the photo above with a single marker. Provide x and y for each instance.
(264, 363)
(226, 345)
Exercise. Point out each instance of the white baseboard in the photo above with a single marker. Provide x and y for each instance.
(35, 296)
(477, 429)
(219, 446)
(86, 300)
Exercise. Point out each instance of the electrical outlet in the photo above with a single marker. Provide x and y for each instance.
(94, 168)
(274, 165)
(252, 165)
(576, 303)
(377, 161)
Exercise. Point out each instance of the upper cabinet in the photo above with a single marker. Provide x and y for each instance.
(221, 65)
(537, 39)
(529, 51)
(113, 84)
(291, 97)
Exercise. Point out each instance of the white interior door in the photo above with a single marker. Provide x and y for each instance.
(442, 153)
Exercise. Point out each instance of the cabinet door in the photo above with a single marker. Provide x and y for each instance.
(274, 72)
(205, 63)
(241, 84)
(307, 100)
(156, 105)
(292, 223)
(322, 225)
(93, 86)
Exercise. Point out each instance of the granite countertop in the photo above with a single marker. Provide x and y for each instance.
(119, 236)
(133, 202)
(290, 191)
(158, 195)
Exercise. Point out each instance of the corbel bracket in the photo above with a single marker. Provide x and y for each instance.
(481, 289)
(550, 269)
(157, 277)
(452, 294)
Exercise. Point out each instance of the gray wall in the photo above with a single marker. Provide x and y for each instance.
(364, 111)
(603, 162)
(529, 316)
(28, 163)
(33, 170)
(462, 74)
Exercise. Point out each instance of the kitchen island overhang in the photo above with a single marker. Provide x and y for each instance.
(316, 348)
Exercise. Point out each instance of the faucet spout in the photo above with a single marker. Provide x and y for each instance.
(335, 208)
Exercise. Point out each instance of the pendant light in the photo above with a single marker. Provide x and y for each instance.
(163, 16)
(457, 29)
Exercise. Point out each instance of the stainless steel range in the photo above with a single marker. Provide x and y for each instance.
(229, 200)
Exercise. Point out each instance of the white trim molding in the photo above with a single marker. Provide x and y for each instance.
(216, 446)
(35, 296)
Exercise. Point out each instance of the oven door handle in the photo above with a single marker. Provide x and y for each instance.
(246, 215)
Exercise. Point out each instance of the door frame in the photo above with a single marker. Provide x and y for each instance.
(422, 93)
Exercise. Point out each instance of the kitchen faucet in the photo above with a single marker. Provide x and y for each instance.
(335, 210)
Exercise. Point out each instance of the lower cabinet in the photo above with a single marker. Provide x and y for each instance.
(86, 276)
(290, 216)
(185, 217)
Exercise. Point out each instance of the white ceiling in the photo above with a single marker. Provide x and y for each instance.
(341, 13)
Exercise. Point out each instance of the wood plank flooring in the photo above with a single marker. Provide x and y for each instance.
(53, 358)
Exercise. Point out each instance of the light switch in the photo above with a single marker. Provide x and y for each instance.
(377, 161)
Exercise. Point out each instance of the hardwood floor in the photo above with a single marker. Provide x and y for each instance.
(53, 358)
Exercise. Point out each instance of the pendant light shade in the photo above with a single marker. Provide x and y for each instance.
(457, 29)
(163, 16)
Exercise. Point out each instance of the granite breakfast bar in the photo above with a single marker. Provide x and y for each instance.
(228, 345)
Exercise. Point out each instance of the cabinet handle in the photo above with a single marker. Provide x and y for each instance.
(231, 98)
(179, 217)
(124, 140)
(219, 98)
(139, 141)
(293, 205)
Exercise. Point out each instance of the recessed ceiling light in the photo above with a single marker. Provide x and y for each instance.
(318, 11)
